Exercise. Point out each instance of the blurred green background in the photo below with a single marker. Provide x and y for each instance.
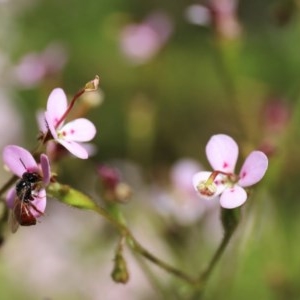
(182, 72)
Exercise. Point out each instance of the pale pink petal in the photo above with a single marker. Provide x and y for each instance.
(90, 148)
(222, 153)
(19, 160)
(202, 177)
(233, 197)
(79, 130)
(56, 106)
(40, 201)
(75, 148)
(40, 116)
(10, 197)
(253, 169)
(45, 165)
(50, 124)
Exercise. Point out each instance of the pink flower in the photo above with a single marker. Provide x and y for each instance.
(19, 161)
(72, 134)
(222, 154)
(139, 42)
(35, 67)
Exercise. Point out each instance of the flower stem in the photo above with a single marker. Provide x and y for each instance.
(226, 238)
(230, 219)
(138, 248)
(77, 95)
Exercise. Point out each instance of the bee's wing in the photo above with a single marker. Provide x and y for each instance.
(12, 220)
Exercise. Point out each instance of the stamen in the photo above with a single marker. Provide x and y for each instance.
(208, 188)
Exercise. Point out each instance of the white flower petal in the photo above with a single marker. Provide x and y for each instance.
(202, 177)
(253, 169)
(40, 116)
(222, 153)
(233, 197)
(50, 124)
(79, 130)
(56, 106)
(75, 148)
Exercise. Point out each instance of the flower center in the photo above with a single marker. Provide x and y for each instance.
(209, 187)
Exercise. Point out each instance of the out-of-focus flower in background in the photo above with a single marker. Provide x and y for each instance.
(276, 115)
(221, 14)
(198, 14)
(114, 189)
(139, 42)
(225, 19)
(178, 201)
(10, 118)
(35, 67)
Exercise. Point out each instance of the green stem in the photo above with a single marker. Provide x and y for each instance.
(205, 275)
(138, 248)
(230, 219)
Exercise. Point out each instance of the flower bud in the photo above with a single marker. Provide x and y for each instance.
(113, 188)
(120, 273)
(92, 85)
(123, 192)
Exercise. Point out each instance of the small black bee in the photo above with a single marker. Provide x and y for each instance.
(25, 187)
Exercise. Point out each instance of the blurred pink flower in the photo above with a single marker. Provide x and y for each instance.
(276, 115)
(198, 14)
(35, 67)
(114, 189)
(141, 41)
(179, 202)
(221, 14)
(72, 134)
(222, 154)
(19, 161)
(224, 16)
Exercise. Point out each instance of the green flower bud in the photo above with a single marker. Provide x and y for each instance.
(120, 273)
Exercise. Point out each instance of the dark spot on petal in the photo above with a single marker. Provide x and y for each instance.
(243, 175)
(225, 165)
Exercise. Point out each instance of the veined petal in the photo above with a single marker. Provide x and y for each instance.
(233, 197)
(40, 201)
(253, 169)
(45, 166)
(201, 177)
(222, 153)
(56, 106)
(19, 160)
(75, 148)
(79, 130)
